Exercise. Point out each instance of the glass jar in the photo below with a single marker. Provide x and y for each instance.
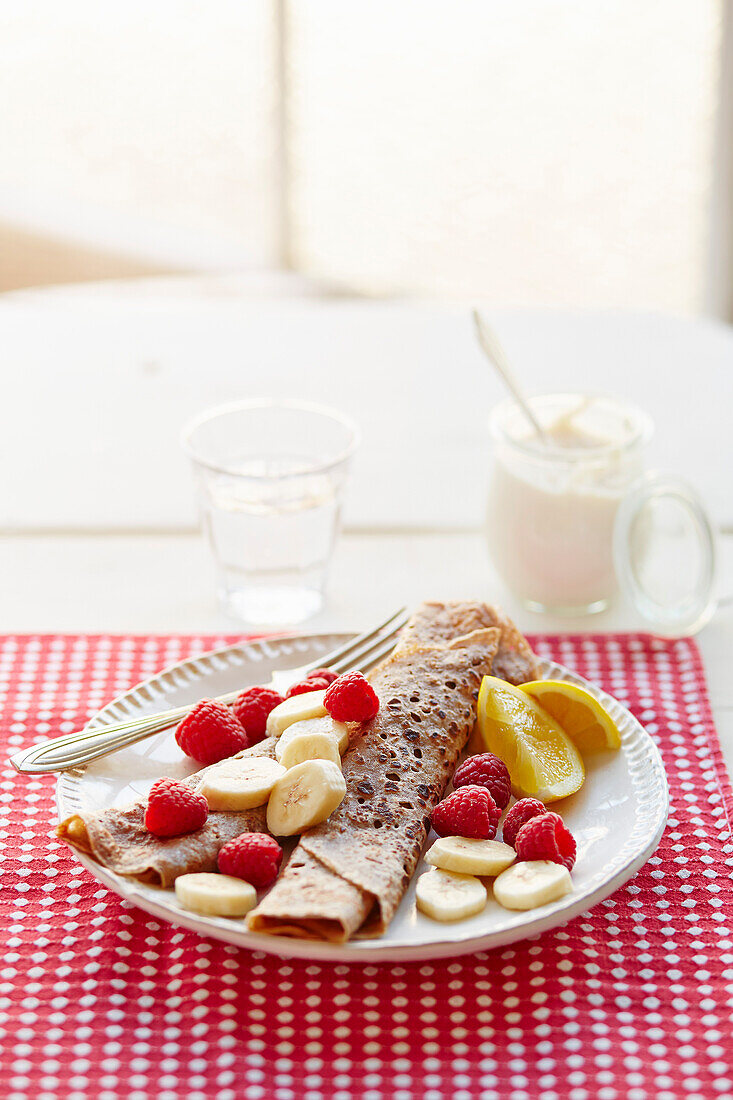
(553, 504)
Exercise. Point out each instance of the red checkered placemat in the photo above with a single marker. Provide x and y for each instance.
(99, 1001)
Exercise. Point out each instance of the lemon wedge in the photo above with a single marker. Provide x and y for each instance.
(587, 724)
(542, 760)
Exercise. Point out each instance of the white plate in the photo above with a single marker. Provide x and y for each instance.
(617, 817)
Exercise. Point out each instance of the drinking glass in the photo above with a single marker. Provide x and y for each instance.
(270, 478)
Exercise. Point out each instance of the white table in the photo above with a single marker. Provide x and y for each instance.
(97, 527)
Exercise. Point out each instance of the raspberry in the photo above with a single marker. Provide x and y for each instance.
(254, 857)
(486, 770)
(174, 808)
(545, 837)
(210, 732)
(351, 698)
(252, 708)
(304, 686)
(469, 811)
(521, 812)
(323, 674)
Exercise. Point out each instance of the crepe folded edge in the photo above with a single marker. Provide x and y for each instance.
(117, 838)
(435, 620)
(156, 862)
(321, 905)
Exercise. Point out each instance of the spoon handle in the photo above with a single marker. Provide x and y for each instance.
(493, 350)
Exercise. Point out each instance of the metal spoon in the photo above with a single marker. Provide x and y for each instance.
(496, 355)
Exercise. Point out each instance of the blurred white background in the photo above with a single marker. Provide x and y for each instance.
(548, 152)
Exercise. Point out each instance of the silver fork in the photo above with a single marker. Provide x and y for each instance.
(74, 749)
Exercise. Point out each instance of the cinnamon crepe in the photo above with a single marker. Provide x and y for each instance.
(118, 839)
(348, 875)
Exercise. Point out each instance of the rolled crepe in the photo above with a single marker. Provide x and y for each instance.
(348, 875)
(118, 839)
(434, 622)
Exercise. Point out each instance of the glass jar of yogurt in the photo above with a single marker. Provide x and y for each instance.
(553, 502)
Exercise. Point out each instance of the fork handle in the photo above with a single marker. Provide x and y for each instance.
(75, 749)
(85, 745)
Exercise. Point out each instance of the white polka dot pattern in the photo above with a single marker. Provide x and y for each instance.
(99, 1001)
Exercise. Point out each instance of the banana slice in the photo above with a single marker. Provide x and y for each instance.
(296, 709)
(240, 784)
(470, 857)
(326, 725)
(446, 896)
(310, 746)
(215, 895)
(529, 884)
(306, 794)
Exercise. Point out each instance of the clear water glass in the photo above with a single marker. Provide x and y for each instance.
(270, 479)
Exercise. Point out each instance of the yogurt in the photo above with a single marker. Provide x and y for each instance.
(552, 504)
